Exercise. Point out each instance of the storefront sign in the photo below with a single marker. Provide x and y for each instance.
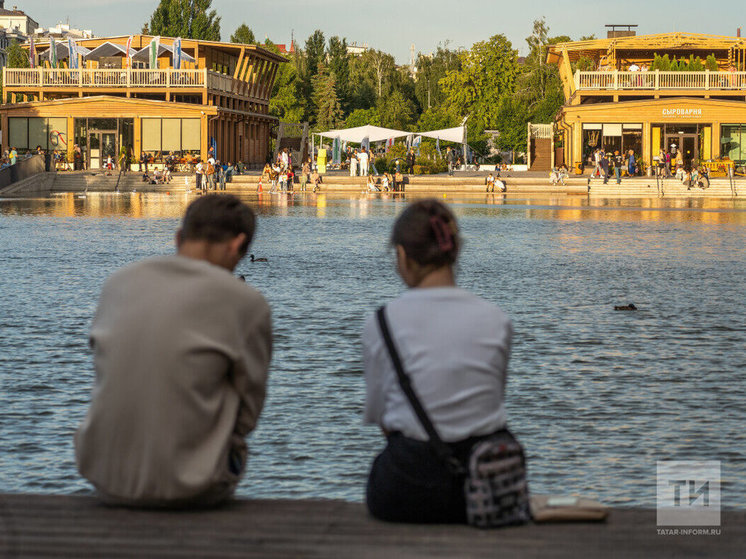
(682, 112)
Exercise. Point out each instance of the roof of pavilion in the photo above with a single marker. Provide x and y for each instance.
(140, 41)
(661, 42)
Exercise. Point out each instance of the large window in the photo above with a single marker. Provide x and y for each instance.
(733, 142)
(26, 133)
(611, 137)
(161, 136)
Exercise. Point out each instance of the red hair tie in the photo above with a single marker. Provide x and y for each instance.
(443, 233)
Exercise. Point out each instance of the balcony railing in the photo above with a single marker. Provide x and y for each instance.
(34, 78)
(657, 80)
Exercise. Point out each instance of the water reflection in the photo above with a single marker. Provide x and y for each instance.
(563, 208)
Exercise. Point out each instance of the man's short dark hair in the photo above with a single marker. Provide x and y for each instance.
(216, 218)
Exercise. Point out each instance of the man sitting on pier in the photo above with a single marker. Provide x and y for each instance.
(181, 351)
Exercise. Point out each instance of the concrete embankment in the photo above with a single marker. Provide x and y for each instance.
(461, 183)
(75, 526)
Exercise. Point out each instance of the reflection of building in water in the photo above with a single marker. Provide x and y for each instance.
(619, 95)
(321, 205)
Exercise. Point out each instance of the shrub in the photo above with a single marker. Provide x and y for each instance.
(382, 165)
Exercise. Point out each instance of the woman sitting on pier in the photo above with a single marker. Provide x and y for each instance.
(454, 348)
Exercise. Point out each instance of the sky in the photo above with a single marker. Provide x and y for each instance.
(394, 25)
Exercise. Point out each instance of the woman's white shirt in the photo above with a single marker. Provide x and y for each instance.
(455, 348)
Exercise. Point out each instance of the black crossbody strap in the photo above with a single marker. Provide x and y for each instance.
(441, 448)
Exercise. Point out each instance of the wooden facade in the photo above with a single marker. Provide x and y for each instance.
(616, 102)
(227, 87)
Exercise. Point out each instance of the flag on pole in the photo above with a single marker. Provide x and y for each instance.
(127, 53)
(416, 143)
(52, 53)
(72, 51)
(32, 53)
(389, 143)
(177, 54)
(153, 48)
(437, 146)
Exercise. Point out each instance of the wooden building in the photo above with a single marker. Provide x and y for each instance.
(614, 99)
(113, 100)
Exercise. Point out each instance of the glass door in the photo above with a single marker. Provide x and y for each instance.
(101, 144)
(108, 148)
(94, 150)
(689, 149)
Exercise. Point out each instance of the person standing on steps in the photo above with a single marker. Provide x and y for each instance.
(363, 157)
(411, 158)
(618, 162)
(451, 160)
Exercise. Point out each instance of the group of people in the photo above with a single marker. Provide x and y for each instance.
(604, 162)
(173, 403)
(668, 159)
(211, 174)
(494, 181)
(10, 157)
(558, 175)
(359, 162)
(387, 182)
(282, 175)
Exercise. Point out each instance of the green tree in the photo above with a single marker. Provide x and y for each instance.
(339, 67)
(17, 56)
(315, 52)
(191, 19)
(362, 83)
(361, 117)
(383, 66)
(512, 116)
(286, 101)
(488, 72)
(437, 118)
(430, 70)
(396, 111)
(243, 35)
(328, 110)
(539, 87)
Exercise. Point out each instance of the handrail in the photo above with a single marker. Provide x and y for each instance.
(657, 80)
(108, 77)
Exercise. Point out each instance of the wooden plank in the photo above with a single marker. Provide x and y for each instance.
(44, 525)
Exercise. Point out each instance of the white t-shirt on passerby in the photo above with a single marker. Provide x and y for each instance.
(363, 158)
(454, 347)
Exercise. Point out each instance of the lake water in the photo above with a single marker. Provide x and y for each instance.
(596, 396)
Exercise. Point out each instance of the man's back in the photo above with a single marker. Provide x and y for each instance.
(181, 350)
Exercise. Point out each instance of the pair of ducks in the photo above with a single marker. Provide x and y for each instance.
(253, 259)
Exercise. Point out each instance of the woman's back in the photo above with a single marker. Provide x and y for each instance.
(454, 346)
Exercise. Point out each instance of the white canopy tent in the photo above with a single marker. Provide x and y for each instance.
(107, 49)
(62, 51)
(358, 134)
(143, 55)
(370, 133)
(379, 134)
(456, 135)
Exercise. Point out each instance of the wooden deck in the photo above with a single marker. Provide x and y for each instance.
(71, 526)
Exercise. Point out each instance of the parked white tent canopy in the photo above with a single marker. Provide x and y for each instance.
(107, 49)
(62, 51)
(359, 133)
(456, 135)
(143, 55)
